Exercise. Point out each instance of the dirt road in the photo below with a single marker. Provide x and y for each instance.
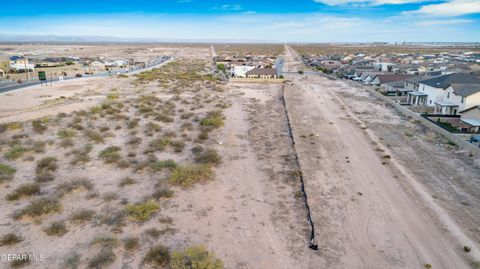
(368, 212)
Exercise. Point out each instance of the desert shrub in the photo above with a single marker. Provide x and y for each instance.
(38, 127)
(67, 187)
(187, 126)
(15, 152)
(57, 228)
(159, 165)
(213, 119)
(113, 96)
(38, 146)
(142, 211)
(126, 181)
(160, 144)
(47, 164)
(66, 143)
(67, 133)
(39, 207)
(14, 125)
(6, 172)
(160, 193)
(94, 136)
(27, 189)
(208, 156)
(131, 243)
(105, 241)
(178, 146)
(195, 257)
(82, 215)
(10, 239)
(187, 175)
(152, 127)
(110, 196)
(110, 154)
(114, 218)
(72, 261)
(134, 140)
(158, 256)
(186, 115)
(133, 123)
(163, 118)
(102, 258)
(81, 155)
(44, 177)
(203, 135)
(3, 128)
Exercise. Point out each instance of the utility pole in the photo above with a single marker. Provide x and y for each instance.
(26, 69)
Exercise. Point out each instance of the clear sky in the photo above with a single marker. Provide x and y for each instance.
(248, 20)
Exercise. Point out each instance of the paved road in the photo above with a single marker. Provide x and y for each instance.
(11, 86)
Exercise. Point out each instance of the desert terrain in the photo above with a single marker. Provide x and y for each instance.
(152, 169)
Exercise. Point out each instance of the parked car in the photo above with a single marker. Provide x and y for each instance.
(78, 75)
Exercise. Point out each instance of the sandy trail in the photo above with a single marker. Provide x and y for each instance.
(364, 217)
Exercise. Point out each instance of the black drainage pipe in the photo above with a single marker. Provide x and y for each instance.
(313, 243)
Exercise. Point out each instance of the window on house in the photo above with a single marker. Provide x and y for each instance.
(448, 95)
(461, 101)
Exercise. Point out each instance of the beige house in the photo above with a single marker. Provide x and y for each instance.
(263, 73)
(458, 97)
(97, 65)
(471, 116)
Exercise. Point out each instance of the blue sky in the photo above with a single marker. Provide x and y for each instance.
(249, 20)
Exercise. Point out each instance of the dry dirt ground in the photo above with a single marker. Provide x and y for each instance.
(384, 192)
(250, 215)
(371, 207)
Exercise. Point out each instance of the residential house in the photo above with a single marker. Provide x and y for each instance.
(263, 73)
(20, 64)
(381, 79)
(240, 71)
(458, 97)
(384, 67)
(471, 116)
(434, 87)
(97, 65)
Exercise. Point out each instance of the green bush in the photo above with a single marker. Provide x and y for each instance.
(126, 181)
(131, 243)
(39, 207)
(38, 126)
(102, 259)
(187, 175)
(196, 257)
(10, 239)
(142, 211)
(57, 228)
(213, 119)
(15, 152)
(82, 215)
(160, 144)
(6, 172)
(105, 241)
(159, 165)
(208, 156)
(158, 256)
(27, 189)
(47, 164)
(67, 133)
(110, 154)
(94, 136)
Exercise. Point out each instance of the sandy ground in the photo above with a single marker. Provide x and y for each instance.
(372, 208)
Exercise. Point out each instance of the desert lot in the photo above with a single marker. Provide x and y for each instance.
(150, 170)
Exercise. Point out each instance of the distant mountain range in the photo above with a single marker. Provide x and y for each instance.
(113, 39)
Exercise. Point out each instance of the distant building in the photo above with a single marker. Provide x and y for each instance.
(20, 64)
(240, 71)
(471, 116)
(97, 65)
(263, 73)
(458, 97)
(435, 87)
